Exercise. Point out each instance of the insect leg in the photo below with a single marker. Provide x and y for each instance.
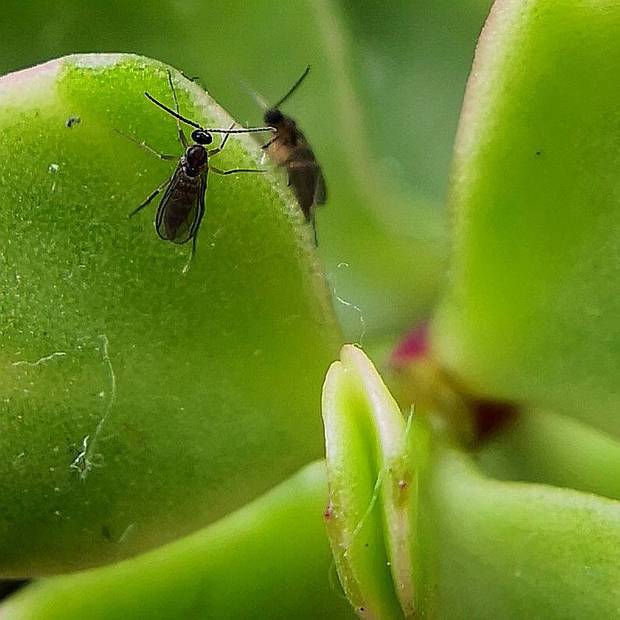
(266, 146)
(181, 135)
(190, 260)
(215, 151)
(234, 170)
(316, 238)
(195, 229)
(149, 149)
(150, 198)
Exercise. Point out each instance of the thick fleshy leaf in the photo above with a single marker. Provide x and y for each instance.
(512, 550)
(371, 489)
(479, 548)
(269, 559)
(546, 447)
(534, 299)
(138, 402)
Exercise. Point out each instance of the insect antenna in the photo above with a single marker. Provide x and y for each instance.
(176, 115)
(177, 109)
(293, 88)
(194, 124)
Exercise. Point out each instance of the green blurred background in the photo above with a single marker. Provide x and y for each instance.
(380, 108)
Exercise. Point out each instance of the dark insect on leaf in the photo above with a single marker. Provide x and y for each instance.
(182, 206)
(289, 149)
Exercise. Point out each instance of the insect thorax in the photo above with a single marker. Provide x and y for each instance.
(195, 160)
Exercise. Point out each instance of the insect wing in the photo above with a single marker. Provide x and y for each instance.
(302, 177)
(315, 181)
(182, 207)
(320, 191)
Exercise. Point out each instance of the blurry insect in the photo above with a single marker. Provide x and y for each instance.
(182, 206)
(72, 121)
(289, 149)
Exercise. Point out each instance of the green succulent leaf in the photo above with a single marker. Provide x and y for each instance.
(532, 308)
(270, 559)
(542, 446)
(140, 403)
(478, 547)
(516, 550)
(371, 488)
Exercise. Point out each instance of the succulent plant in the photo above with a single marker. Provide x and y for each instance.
(153, 420)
